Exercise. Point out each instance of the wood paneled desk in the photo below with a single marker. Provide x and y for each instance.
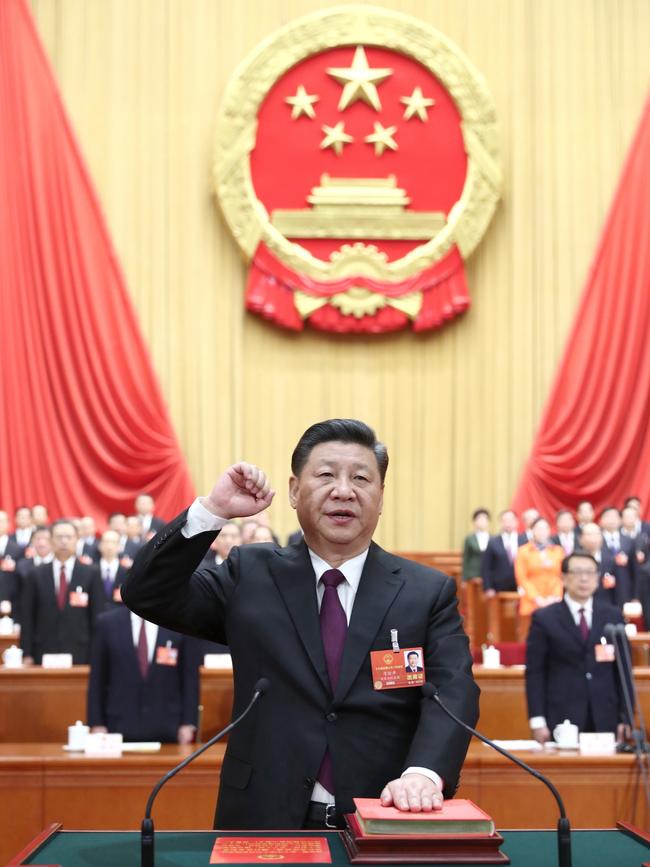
(40, 784)
(38, 705)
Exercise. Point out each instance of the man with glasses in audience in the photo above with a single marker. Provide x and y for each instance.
(570, 668)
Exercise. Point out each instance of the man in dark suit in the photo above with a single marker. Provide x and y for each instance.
(323, 733)
(566, 531)
(144, 507)
(623, 550)
(565, 679)
(635, 503)
(613, 586)
(497, 564)
(60, 602)
(88, 543)
(111, 571)
(22, 535)
(475, 544)
(144, 680)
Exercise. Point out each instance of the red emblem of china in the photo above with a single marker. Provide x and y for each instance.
(357, 167)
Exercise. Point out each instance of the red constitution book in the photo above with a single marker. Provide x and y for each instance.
(457, 817)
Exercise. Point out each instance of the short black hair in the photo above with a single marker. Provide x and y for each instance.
(564, 512)
(480, 511)
(412, 653)
(629, 499)
(538, 519)
(610, 509)
(60, 521)
(342, 430)
(578, 553)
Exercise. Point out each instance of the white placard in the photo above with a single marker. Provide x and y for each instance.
(597, 743)
(218, 660)
(57, 660)
(103, 745)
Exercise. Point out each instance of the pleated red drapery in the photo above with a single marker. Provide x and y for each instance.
(594, 438)
(83, 425)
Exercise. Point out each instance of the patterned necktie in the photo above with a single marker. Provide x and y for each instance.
(333, 629)
(62, 597)
(582, 625)
(143, 653)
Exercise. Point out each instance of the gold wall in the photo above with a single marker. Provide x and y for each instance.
(142, 81)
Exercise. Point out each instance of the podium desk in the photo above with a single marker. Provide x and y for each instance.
(190, 849)
(40, 784)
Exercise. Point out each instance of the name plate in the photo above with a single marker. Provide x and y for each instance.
(103, 745)
(57, 660)
(218, 660)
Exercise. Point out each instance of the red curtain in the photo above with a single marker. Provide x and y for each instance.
(83, 425)
(594, 439)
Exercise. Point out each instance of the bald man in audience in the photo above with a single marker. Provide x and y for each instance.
(60, 602)
(591, 541)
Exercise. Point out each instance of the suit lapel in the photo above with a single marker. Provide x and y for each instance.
(378, 587)
(570, 625)
(598, 622)
(294, 577)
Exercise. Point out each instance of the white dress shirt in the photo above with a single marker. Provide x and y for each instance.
(482, 537)
(150, 630)
(108, 567)
(56, 568)
(200, 520)
(3, 544)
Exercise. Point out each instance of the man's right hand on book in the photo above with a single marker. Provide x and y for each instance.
(242, 491)
(412, 793)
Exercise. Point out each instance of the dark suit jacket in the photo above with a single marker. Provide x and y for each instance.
(563, 679)
(472, 557)
(12, 549)
(45, 629)
(262, 602)
(625, 575)
(497, 571)
(21, 548)
(119, 698)
(120, 577)
(131, 548)
(555, 540)
(295, 538)
(10, 592)
(91, 549)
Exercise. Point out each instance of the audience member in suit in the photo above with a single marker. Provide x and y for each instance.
(135, 539)
(144, 680)
(60, 602)
(635, 503)
(623, 551)
(565, 525)
(498, 562)
(111, 571)
(40, 552)
(9, 548)
(117, 521)
(247, 528)
(88, 544)
(528, 517)
(475, 544)
(295, 538)
(538, 570)
(591, 541)
(144, 507)
(263, 534)
(220, 549)
(564, 679)
(585, 514)
(24, 528)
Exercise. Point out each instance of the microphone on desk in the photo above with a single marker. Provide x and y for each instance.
(147, 828)
(563, 826)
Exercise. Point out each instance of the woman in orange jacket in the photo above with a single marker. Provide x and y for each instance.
(538, 570)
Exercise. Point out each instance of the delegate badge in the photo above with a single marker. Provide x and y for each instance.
(357, 167)
(167, 655)
(395, 670)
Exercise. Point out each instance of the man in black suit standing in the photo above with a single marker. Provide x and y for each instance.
(144, 680)
(498, 562)
(111, 571)
(144, 507)
(307, 617)
(60, 602)
(88, 543)
(569, 673)
(622, 549)
(566, 531)
(22, 535)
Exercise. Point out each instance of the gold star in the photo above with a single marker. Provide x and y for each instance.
(416, 103)
(335, 138)
(382, 138)
(302, 102)
(359, 81)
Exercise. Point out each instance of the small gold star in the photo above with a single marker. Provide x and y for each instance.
(359, 81)
(382, 138)
(335, 138)
(416, 103)
(302, 102)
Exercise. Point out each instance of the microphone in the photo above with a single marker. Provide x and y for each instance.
(147, 829)
(563, 826)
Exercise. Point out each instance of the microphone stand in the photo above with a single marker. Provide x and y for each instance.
(147, 831)
(563, 825)
(616, 633)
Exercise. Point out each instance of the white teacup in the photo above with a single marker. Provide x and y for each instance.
(566, 734)
(6, 625)
(77, 735)
(13, 657)
(491, 657)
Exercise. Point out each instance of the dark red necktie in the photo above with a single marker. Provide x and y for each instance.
(333, 629)
(582, 625)
(143, 654)
(62, 598)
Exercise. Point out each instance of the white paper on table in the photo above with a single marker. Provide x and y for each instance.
(513, 746)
